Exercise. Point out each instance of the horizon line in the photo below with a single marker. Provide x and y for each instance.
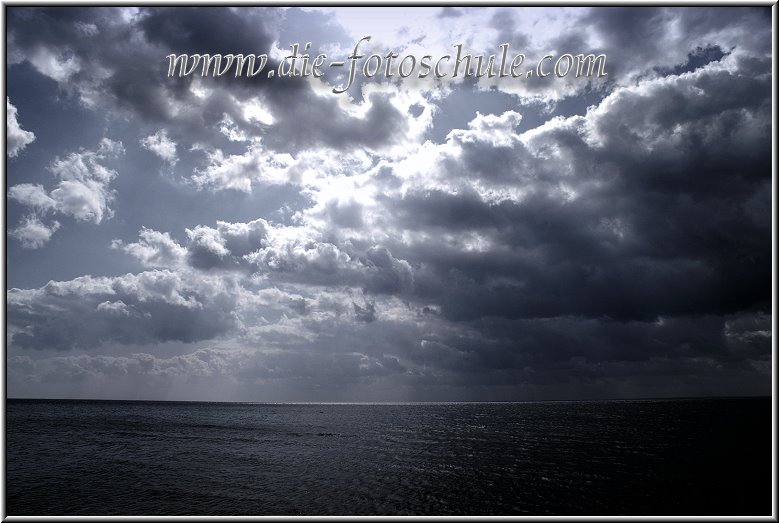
(451, 402)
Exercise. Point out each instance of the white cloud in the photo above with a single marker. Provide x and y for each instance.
(241, 171)
(17, 138)
(162, 146)
(114, 307)
(497, 130)
(32, 195)
(83, 190)
(155, 249)
(56, 65)
(33, 233)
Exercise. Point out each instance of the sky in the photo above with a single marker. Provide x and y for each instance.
(418, 239)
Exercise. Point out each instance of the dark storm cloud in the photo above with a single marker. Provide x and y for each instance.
(695, 59)
(567, 342)
(367, 313)
(631, 35)
(638, 42)
(615, 232)
(95, 43)
(302, 119)
(208, 29)
(655, 238)
(311, 121)
(346, 215)
(450, 12)
(149, 307)
(114, 57)
(536, 357)
(504, 23)
(635, 38)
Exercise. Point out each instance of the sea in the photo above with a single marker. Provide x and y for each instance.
(647, 457)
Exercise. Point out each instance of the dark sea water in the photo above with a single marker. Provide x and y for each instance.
(609, 457)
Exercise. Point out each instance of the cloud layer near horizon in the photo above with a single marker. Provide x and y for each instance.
(271, 240)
